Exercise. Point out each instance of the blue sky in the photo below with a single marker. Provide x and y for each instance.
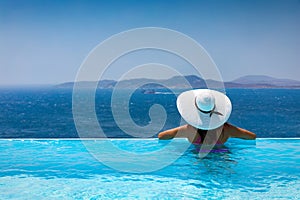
(45, 42)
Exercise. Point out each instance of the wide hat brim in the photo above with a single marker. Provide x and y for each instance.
(193, 116)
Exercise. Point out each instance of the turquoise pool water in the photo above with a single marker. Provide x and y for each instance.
(64, 169)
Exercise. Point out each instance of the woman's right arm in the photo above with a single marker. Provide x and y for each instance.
(237, 132)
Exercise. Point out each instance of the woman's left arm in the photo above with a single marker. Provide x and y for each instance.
(185, 131)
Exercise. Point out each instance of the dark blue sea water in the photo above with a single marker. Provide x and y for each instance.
(47, 112)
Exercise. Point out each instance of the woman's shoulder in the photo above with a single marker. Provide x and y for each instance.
(190, 127)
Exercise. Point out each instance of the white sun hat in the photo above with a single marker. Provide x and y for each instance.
(204, 108)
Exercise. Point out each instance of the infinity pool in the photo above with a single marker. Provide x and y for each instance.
(66, 169)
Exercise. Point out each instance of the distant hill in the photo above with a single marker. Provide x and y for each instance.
(191, 80)
(252, 79)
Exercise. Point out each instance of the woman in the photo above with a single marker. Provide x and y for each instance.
(206, 112)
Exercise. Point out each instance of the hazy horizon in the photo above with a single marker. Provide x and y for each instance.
(67, 81)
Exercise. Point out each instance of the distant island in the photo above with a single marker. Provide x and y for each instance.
(251, 81)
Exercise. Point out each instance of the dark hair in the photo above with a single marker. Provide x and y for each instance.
(202, 134)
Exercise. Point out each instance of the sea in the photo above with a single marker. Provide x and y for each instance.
(46, 112)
